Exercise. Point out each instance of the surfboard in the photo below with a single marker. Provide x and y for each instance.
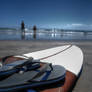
(68, 56)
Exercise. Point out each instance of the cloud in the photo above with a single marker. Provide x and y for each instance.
(74, 25)
(77, 26)
(91, 25)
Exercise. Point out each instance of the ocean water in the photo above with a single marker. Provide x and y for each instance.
(44, 35)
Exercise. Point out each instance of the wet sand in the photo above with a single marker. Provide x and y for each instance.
(84, 84)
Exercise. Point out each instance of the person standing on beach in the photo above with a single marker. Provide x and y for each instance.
(23, 30)
(34, 29)
(22, 26)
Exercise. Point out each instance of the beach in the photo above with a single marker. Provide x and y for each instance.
(23, 46)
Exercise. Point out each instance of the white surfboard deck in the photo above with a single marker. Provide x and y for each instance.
(68, 56)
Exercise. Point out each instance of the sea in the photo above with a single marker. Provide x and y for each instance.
(44, 34)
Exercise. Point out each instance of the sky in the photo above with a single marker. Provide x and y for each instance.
(63, 14)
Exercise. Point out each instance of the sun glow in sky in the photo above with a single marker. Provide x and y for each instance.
(65, 14)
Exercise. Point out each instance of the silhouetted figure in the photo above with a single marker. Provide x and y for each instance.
(22, 25)
(22, 30)
(34, 29)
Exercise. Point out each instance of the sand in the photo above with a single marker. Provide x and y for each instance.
(84, 84)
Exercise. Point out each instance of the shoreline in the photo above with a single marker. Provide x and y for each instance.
(12, 47)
